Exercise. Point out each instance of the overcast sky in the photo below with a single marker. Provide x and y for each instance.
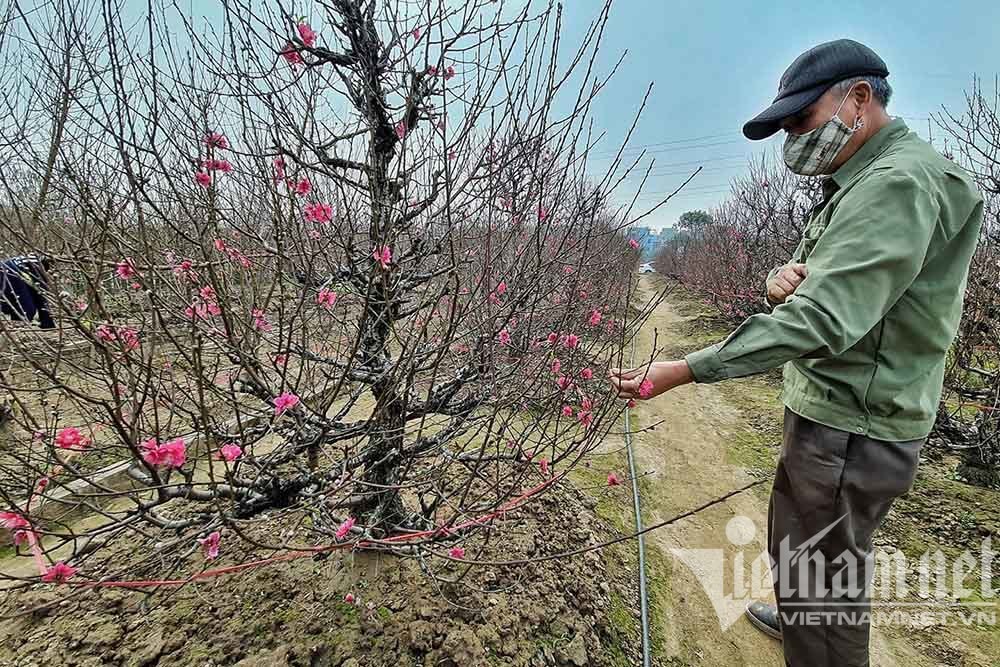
(716, 63)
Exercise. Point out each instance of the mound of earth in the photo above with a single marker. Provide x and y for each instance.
(407, 611)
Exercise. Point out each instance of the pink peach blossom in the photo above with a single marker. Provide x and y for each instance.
(382, 255)
(230, 452)
(216, 140)
(224, 166)
(303, 187)
(291, 56)
(318, 212)
(326, 298)
(307, 34)
(105, 333)
(202, 178)
(59, 573)
(13, 521)
(401, 129)
(129, 338)
(567, 411)
(260, 322)
(458, 553)
(646, 388)
(586, 373)
(171, 454)
(210, 545)
(184, 270)
(344, 528)
(126, 269)
(632, 243)
(284, 402)
(71, 438)
(613, 479)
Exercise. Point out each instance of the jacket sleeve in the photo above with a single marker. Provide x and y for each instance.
(871, 251)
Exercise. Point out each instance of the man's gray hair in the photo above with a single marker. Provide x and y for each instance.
(881, 90)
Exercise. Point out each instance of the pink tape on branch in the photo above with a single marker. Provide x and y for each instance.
(300, 553)
(36, 551)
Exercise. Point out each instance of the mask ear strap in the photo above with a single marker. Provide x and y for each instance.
(859, 122)
(842, 102)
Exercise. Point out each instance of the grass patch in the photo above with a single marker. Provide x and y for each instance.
(615, 508)
(755, 442)
(622, 625)
(658, 572)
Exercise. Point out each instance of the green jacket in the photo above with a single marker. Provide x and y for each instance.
(865, 335)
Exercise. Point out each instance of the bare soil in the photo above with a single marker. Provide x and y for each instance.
(406, 612)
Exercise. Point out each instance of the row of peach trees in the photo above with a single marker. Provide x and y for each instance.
(725, 261)
(346, 271)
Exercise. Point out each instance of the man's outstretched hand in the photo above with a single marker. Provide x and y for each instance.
(652, 380)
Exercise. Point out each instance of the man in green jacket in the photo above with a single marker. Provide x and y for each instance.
(862, 320)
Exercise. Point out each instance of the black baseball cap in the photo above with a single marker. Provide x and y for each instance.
(811, 75)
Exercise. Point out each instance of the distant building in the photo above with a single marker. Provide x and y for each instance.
(650, 240)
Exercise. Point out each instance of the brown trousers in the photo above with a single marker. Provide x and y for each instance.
(831, 492)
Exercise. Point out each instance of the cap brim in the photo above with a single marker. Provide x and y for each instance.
(769, 120)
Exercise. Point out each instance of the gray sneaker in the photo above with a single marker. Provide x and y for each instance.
(765, 618)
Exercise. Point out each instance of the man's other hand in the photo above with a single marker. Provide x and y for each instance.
(784, 283)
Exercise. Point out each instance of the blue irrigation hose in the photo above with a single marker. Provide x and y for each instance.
(643, 598)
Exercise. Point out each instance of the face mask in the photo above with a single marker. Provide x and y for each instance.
(812, 153)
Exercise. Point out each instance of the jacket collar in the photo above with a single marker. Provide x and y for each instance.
(870, 150)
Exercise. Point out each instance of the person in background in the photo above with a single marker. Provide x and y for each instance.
(863, 317)
(23, 284)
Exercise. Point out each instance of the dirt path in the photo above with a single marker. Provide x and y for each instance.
(688, 454)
